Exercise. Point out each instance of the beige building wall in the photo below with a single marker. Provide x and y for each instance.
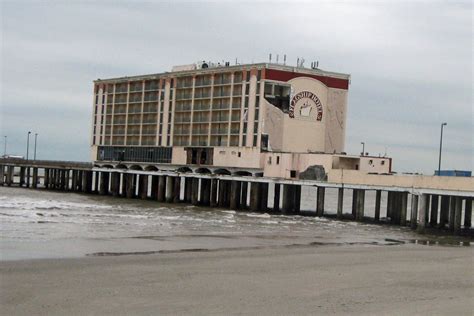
(336, 113)
(279, 165)
(300, 134)
(229, 157)
(178, 156)
(374, 164)
(410, 181)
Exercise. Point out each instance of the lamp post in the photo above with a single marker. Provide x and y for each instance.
(363, 148)
(5, 149)
(441, 147)
(36, 138)
(27, 144)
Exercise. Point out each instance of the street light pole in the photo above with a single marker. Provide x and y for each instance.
(36, 137)
(441, 147)
(5, 150)
(27, 144)
(363, 148)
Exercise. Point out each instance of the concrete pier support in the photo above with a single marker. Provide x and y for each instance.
(422, 201)
(10, 170)
(205, 192)
(434, 210)
(2, 174)
(188, 189)
(28, 177)
(96, 176)
(444, 211)
(378, 198)
(80, 174)
(34, 184)
(264, 198)
(154, 187)
(177, 190)
(22, 176)
(68, 179)
(46, 178)
(320, 201)
(195, 191)
(161, 196)
(62, 185)
(104, 183)
(468, 213)
(214, 187)
(452, 208)
(397, 207)
(414, 211)
(427, 209)
(457, 215)
(169, 189)
(224, 194)
(235, 187)
(74, 180)
(360, 204)
(123, 185)
(86, 181)
(255, 195)
(54, 179)
(115, 183)
(340, 202)
(276, 198)
(390, 197)
(403, 208)
(143, 186)
(288, 204)
(130, 185)
(244, 195)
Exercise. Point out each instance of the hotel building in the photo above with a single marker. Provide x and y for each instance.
(264, 119)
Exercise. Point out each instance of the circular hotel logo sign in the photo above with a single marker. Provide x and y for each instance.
(306, 105)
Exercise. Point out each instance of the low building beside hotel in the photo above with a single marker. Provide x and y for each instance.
(264, 119)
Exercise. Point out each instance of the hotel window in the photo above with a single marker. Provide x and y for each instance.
(278, 95)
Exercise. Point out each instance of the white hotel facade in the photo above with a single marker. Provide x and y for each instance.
(263, 119)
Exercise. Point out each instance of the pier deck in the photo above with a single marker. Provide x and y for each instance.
(436, 202)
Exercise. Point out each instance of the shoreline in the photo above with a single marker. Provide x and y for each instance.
(397, 279)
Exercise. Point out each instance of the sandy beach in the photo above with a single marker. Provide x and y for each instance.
(361, 280)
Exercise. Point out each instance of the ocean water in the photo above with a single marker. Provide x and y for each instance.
(45, 224)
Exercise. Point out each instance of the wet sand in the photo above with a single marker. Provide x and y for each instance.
(363, 280)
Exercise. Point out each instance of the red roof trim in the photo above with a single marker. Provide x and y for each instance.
(281, 75)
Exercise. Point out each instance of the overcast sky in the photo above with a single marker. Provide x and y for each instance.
(410, 62)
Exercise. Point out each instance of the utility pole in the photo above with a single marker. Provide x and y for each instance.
(28, 144)
(441, 147)
(36, 138)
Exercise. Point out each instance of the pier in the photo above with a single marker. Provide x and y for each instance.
(443, 203)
